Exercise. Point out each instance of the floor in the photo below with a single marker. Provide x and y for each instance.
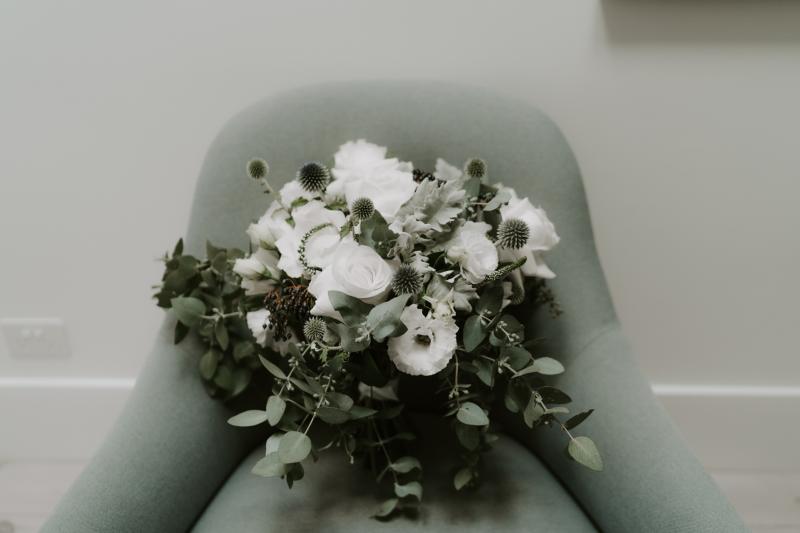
(769, 502)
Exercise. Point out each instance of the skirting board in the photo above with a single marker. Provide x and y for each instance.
(729, 428)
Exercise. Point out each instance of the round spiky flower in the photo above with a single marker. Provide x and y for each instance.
(313, 176)
(513, 233)
(257, 168)
(407, 280)
(475, 168)
(362, 208)
(314, 329)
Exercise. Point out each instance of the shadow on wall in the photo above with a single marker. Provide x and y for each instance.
(701, 21)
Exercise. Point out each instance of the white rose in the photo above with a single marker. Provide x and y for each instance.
(355, 270)
(270, 227)
(426, 347)
(542, 237)
(261, 264)
(445, 171)
(362, 170)
(472, 249)
(319, 247)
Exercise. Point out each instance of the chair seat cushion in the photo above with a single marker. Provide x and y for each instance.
(517, 494)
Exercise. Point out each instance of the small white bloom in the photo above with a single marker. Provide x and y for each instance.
(259, 265)
(270, 227)
(320, 247)
(355, 270)
(542, 237)
(446, 172)
(258, 322)
(426, 347)
(472, 249)
(362, 171)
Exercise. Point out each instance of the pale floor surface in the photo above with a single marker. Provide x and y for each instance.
(769, 502)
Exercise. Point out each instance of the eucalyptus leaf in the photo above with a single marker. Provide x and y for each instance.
(269, 466)
(472, 414)
(294, 447)
(249, 418)
(405, 465)
(188, 310)
(332, 415)
(386, 508)
(585, 452)
(462, 478)
(548, 366)
(275, 409)
(221, 333)
(272, 368)
(384, 319)
(474, 333)
(577, 419)
(354, 312)
(533, 412)
(412, 488)
(208, 364)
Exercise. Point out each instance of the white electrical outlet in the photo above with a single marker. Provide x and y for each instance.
(35, 338)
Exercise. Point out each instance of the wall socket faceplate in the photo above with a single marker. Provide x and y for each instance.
(35, 338)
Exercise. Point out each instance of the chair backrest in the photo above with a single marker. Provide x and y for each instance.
(418, 121)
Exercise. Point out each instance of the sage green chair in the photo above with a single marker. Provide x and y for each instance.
(172, 463)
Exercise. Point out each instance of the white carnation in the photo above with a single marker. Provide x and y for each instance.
(261, 265)
(542, 237)
(258, 322)
(355, 270)
(270, 227)
(426, 347)
(293, 191)
(473, 251)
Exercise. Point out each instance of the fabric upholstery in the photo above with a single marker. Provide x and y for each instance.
(167, 461)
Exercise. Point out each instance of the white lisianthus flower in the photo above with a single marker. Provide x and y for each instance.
(270, 227)
(362, 171)
(259, 266)
(293, 191)
(355, 270)
(542, 237)
(426, 347)
(320, 246)
(258, 322)
(473, 251)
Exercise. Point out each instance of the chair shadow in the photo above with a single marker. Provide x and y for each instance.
(690, 22)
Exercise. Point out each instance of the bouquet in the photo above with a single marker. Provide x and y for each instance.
(359, 277)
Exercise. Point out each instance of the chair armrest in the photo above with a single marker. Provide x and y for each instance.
(651, 481)
(166, 456)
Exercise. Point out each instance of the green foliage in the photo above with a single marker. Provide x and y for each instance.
(472, 415)
(585, 452)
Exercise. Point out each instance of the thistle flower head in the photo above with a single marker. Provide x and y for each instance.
(314, 329)
(313, 176)
(475, 167)
(257, 168)
(362, 208)
(513, 233)
(407, 280)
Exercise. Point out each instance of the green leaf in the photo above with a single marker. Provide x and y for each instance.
(386, 508)
(269, 466)
(585, 452)
(275, 409)
(294, 447)
(181, 330)
(502, 196)
(518, 357)
(342, 401)
(577, 419)
(384, 319)
(491, 300)
(474, 332)
(406, 464)
(533, 412)
(332, 415)
(348, 337)
(221, 333)
(376, 234)
(359, 411)
(354, 312)
(250, 418)
(413, 489)
(553, 395)
(208, 364)
(188, 310)
(272, 368)
(462, 478)
(472, 415)
(243, 350)
(485, 371)
(178, 250)
(548, 366)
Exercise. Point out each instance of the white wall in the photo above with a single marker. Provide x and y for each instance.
(683, 115)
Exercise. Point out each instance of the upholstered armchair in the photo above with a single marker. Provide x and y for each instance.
(172, 463)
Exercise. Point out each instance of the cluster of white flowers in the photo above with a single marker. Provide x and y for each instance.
(445, 234)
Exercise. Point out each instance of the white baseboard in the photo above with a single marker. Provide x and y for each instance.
(729, 428)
